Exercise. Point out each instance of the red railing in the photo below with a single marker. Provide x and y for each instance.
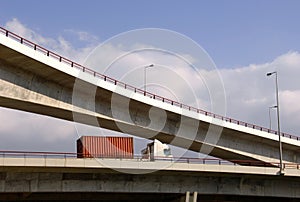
(204, 161)
(136, 90)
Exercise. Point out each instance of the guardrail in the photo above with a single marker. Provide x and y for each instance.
(134, 89)
(204, 161)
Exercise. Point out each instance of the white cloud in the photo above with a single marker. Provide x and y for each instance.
(290, 110)
(20, 29)
(61, 45)
(83, 36)
(250, 92)
(26, 131)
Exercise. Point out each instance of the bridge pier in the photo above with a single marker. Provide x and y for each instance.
(189, 197)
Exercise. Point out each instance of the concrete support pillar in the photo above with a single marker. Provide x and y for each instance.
(195, 196)
(189, 197)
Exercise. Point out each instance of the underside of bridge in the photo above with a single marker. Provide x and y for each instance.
(125, 197)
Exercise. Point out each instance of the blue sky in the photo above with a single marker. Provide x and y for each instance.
(235, 33)
(244, 38)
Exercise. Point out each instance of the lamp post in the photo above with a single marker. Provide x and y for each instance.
(145, 75)
(278, 121)
(270, 120)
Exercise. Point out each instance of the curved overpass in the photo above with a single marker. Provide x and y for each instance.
(36, 80)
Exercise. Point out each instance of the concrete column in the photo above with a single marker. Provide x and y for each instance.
(187, 196)
(195, 196)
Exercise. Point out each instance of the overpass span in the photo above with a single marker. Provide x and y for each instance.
(37, 80)
(40, 176)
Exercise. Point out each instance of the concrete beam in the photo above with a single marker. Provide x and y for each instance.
(160, 182)
(136, 166)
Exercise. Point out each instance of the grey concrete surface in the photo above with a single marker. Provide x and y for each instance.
(76, 179)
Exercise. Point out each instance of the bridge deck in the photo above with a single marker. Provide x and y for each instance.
(139, 166)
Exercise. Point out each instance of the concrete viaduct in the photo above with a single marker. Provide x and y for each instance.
(46, 178)
(36, 80)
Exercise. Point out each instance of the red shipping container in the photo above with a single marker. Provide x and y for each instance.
(104, 147)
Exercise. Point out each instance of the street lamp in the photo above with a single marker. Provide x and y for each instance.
(270, 120)
(145, 76)
(278, 122)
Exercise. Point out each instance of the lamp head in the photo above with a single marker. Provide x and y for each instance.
(270, 73)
